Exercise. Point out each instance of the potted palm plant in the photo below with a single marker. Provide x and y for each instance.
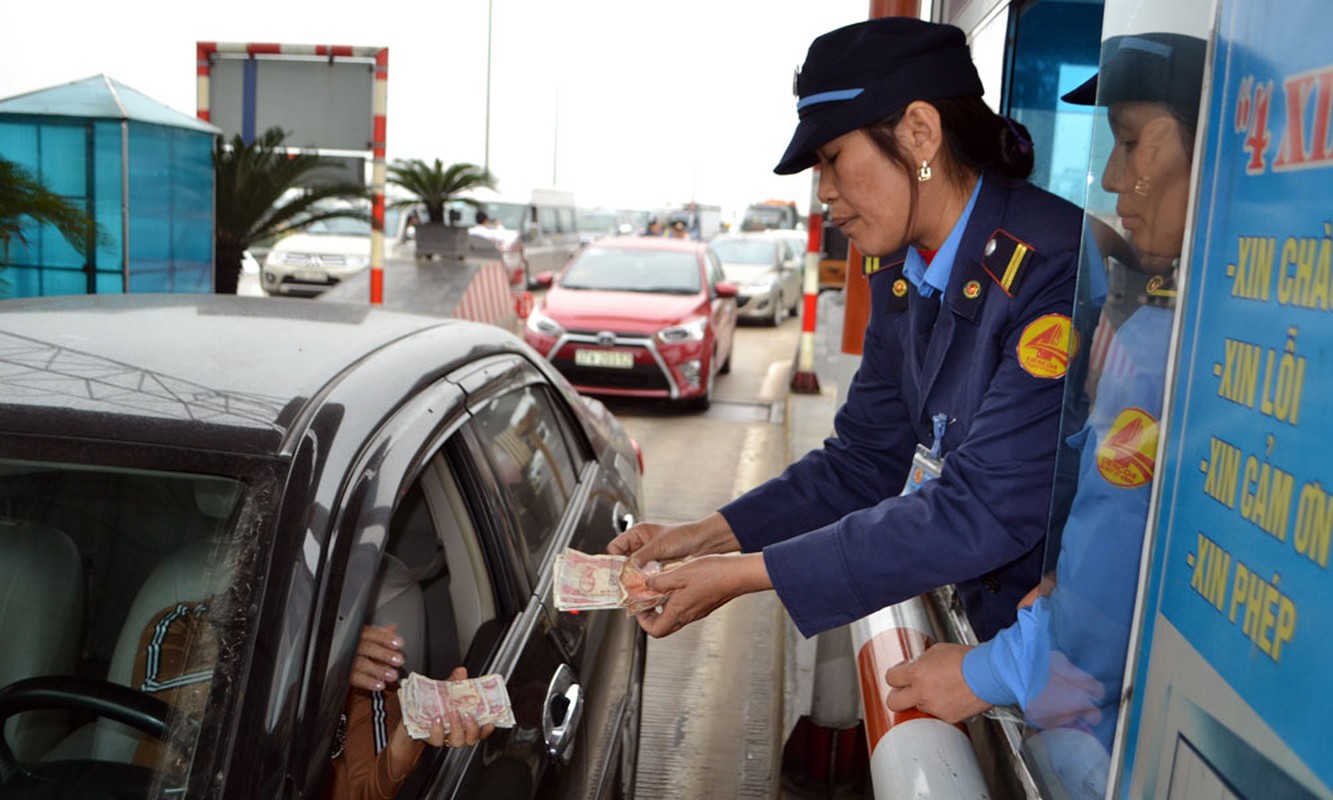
(256, 198)
(434, 186)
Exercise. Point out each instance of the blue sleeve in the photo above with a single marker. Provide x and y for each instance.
(1010, 668)
(988, 509)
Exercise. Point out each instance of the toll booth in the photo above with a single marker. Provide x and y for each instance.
(1176, 648)
(141, 170)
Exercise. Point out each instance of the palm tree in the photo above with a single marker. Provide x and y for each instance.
(23, 198)
(256, 198)
(434, 185)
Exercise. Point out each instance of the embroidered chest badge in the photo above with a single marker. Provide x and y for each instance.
(1046, 345)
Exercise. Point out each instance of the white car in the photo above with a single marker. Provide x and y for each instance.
(308, 263)
(767, 272)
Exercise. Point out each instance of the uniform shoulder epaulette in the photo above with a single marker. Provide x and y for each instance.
(892, 272)
(1005, 258)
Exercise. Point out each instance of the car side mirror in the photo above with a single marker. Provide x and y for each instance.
(543, 280)
(726, 289)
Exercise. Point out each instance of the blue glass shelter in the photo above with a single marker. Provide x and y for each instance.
(142, 170)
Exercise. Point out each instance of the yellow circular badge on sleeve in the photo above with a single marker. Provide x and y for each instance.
(1046, 345)
(1126, 457)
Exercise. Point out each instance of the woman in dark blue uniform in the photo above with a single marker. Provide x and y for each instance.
(1063, 660)
(971, 293)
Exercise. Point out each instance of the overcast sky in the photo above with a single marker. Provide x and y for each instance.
(624, 102)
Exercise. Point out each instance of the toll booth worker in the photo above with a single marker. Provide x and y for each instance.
(971, 284)
(1063, 659)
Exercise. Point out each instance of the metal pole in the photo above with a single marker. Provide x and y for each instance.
(377, 180)
(804, 381)
(486, 159)
(856, 295)
(835, 677)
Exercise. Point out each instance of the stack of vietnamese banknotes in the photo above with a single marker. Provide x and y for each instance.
(424, 699)
(590, 582)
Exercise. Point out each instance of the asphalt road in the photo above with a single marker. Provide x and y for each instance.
(715, 692)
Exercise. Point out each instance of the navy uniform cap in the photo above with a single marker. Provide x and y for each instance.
(1148, 67)
(860, 74)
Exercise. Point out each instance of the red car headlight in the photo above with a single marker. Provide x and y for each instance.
(691, 331)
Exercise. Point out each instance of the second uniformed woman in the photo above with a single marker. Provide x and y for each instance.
(965, 350)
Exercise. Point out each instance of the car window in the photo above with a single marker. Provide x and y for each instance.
(434, 553)
(116, 576)
(534, 464)
(634, 270)
(715, 273)
(565, 217)
(745, 251)
(340, 226)
(547, 220)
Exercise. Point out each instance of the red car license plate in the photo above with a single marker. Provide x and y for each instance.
(614, 359)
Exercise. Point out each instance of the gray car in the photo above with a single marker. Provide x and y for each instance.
(203, 499)
(768, 274)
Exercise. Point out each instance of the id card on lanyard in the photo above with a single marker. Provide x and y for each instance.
(927, 461)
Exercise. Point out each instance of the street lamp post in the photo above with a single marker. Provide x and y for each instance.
(486, 162)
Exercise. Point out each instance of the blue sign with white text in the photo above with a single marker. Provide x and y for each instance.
(1239, 604)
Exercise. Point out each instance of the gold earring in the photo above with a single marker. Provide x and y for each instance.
(1141, 186)
(924, 173)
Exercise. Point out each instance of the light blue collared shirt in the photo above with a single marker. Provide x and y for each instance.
(932, 278)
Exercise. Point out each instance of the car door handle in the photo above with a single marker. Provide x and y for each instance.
(624, 520)
(561, 715)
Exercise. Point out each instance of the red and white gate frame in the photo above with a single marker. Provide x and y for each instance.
(204, 55)
(912, 754)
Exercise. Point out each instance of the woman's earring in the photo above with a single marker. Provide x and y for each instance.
(924, 173)
(1141, 186)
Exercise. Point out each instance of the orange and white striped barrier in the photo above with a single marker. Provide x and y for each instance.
(488, 297)
(912, 754)
(804, 380)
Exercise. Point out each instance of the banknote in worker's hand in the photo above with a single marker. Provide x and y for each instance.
(591, 582)
(424, 699)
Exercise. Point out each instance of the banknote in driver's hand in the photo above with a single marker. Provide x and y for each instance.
(591, 582)
(424, 699)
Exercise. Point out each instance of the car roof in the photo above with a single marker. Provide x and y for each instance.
(648, 243)
(232, 372)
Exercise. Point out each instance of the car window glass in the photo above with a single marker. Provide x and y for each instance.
(433, 584)
(715, 274)
(533, 463)
(745, 251)
(546, 220)
(565, 217)
(634, 270)
(119, 576)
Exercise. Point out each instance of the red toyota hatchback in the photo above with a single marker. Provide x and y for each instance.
(638, 317)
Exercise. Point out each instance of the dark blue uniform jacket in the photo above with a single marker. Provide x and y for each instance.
(838, 540)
